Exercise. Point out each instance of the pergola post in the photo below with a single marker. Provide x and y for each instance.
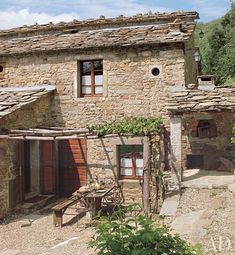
(176, 150)
(146, 187)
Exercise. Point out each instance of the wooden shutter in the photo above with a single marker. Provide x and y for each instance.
(72, 165)
(47, 163)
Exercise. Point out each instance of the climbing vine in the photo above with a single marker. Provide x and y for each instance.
(152, 128)
(130, 126)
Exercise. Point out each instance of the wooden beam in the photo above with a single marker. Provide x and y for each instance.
(4, 136)
(46, 132)
(16, 137)
(12, 137)
(67, 129)
(27, 137)
(7, 137)
(67, 137)
(162, 152)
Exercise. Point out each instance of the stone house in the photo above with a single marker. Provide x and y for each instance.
(66, 76)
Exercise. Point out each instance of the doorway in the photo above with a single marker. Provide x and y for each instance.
(36, 169)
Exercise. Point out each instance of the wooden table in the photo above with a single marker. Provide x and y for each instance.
(94, 200)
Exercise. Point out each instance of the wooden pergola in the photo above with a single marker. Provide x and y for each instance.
(59, 133)
(52, 133)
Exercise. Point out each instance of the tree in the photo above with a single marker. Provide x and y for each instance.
(218, 48)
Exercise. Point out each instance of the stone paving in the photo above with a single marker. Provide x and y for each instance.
(206, 212)
(195, 178)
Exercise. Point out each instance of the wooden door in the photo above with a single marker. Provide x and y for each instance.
(47, 169)
(72, 165)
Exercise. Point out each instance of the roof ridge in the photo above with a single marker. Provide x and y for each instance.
(102, 21)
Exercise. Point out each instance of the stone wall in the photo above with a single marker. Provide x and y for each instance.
(102, 159)
(130, 88)
(212, 148)
(34, 115)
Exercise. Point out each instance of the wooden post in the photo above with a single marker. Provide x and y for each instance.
(146, 189)
(162, 156)
(159, 182)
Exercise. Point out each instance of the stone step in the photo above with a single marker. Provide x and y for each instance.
(170, 205)
(28, 207)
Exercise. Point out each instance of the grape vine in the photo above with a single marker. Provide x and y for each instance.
(128, 126)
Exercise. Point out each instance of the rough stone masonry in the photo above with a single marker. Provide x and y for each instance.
(129, 47)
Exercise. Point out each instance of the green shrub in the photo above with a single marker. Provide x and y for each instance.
(138, 235)
(130, 126)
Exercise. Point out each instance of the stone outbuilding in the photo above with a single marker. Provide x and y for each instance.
(201, 128)
(98, 71)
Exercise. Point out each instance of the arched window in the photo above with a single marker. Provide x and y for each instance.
(206, 129)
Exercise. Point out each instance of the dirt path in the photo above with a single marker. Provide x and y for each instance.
(207, 216)
(35, 234)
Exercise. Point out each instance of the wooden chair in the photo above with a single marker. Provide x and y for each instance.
(112, 198)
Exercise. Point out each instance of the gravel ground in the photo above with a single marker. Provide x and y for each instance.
(205, 216)
(35, 234)
(214, 228)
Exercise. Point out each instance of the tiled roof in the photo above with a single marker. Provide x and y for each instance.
(12, 98)
(197, 100)
(149, 31)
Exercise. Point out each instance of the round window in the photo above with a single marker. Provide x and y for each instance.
(155, 71)
(1, 69)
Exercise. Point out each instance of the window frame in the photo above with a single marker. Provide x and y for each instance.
(92, 94)
(133, 158)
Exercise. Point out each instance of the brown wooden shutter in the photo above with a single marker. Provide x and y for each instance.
(47, 163)
(72, 165)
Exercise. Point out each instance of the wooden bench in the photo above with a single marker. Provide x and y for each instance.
(59, 209)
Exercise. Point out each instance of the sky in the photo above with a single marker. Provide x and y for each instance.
(15, 13)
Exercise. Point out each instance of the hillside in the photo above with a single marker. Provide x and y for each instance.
(217, 47)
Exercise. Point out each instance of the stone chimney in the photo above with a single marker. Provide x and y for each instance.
(206, 82)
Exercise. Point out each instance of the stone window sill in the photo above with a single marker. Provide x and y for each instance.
(131, 181)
